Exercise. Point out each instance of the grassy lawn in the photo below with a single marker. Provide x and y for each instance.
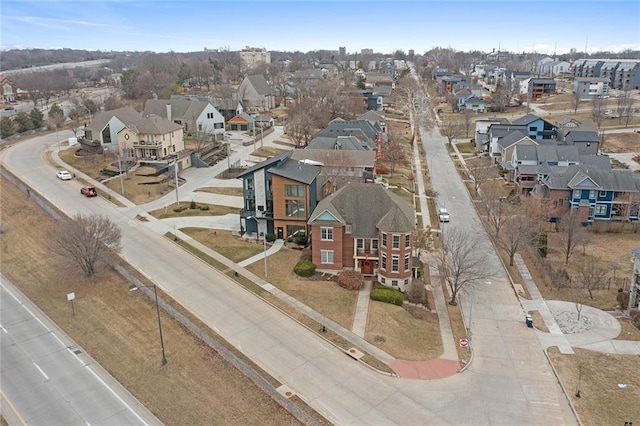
(386, 325)
(324, 296)
(268, 151)
(466, 147)
(119, 329)
(597, 376)
(622, 142)
(89, 165)
(223, 242)
(214, 210)
(221, 190)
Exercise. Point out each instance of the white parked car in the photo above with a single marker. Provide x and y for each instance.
(64, 175)
(443, 215)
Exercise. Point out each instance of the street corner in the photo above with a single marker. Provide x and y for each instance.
(426, 370)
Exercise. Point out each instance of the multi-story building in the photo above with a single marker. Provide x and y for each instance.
(591, 87)
(253, 56)
(366, 228)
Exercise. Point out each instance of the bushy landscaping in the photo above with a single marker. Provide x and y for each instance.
(305, 268)
(387, 295)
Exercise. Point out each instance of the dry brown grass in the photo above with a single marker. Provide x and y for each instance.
(627, 331)
(597, 377)
(221, 190)
(622, 142)
(119, 329)
(268, 151)
(214, 210)
(223, 242)
(323, 296)
(386, 325)
(142, 189)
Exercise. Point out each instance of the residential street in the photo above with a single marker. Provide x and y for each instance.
(509, 381)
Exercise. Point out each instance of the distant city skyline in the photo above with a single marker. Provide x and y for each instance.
(384, 26)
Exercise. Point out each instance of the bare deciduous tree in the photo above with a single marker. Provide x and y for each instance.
(570, 234)
(520, 228)
(84, 240)
(593, 273)
(575, 100)
(496, 207)
(625, 105)
(411, 98)
(481, 170)
(451, 130)
(466, 120)
(462, 261)
(394, 153)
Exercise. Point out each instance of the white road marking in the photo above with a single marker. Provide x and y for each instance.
(4, 329)
(41, 372)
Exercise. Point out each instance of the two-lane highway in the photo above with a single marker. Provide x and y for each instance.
(48, 380)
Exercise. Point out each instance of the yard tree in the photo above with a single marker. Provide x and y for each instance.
(575, 101)
(624, 102)
(467, 120)
(521, 228)
(501, 97)
(462, 261)
(592, 273)
(570, 234)
(84, 239)
(598, 111)
(394, 153)
(495, 206)
(450, 129)
(411, 98)
(482, 170)
(77, 113)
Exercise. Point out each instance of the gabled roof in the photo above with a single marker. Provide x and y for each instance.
(134, 121)
(246, 117)
(581, 136)
(586, 176)
(336, 158)
(364, 128)
(180, 108)
(527, 119)
(345, 143)
(266, 163)
(368, 208)
(513, 137)
(373, 116)
(501, 130)
(260, 84)
(296, 171)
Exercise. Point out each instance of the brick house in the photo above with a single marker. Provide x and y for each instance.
(367, 228)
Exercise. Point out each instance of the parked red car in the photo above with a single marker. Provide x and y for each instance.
(89, 191)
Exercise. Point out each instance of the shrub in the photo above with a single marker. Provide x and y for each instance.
(204, 208)
(300, 239)
(193, 205)
(179, 209)
(350, 280)
(542, 244)
(387, 295)
(304, 268)
(270, 238)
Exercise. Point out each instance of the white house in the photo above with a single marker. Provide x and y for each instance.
(194, 116)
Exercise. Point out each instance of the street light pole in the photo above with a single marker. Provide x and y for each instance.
(175, 172)
(120, 170)
(155, 293)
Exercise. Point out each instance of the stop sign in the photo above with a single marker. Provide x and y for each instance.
(464, 343)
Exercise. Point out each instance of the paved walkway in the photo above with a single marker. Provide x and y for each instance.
(362, 309)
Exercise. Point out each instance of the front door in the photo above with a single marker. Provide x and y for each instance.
(366, 267)
(280, 233)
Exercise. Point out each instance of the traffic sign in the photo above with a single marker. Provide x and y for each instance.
(464, 343)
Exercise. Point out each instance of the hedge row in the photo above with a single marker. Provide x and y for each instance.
(387, 295)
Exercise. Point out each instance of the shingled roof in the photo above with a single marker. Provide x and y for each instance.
(134, 121)
(368, 208)
(180, 108)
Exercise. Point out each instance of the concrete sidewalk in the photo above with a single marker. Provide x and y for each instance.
(275, 247)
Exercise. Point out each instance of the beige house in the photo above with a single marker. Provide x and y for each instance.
(137, 136)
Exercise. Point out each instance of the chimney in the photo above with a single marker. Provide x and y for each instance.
(169, 112)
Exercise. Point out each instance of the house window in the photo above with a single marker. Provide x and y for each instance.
(384, 239)
(407, 240)
(199, 127)
(326, 257)
(383, 261)
(294, 208)
(218, 125)
(394, 283)
(294, 190)
(383, 280)
(406, 262)
(601, 209)
(347, 229)
(395, 263)
(533, 129)
(396, 242)
(592, 194)
(374, 245)
(360, 244)
(248, 184)
(209, 115)
(602, 194)
(406, 281)
(326, 234)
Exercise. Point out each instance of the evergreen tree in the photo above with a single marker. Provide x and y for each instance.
(37, 118)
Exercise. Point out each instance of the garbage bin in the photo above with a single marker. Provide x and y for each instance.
(529, 321)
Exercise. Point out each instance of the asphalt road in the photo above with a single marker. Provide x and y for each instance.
(48, 380)
(509, 382)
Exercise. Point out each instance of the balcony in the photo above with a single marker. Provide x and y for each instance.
(145, 143)
(366, 252)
